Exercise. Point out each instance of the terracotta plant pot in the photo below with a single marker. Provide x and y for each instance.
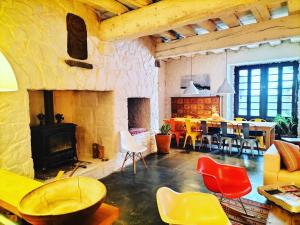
(163, 143)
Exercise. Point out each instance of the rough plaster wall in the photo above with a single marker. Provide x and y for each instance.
(214, 65)
(161, 91)
(34, 38)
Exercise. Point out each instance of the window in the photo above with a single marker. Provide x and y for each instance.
(266, 90)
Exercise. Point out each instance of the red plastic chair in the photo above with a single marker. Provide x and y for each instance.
(228, 180)
(174, 131)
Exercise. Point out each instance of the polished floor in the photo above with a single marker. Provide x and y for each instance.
(135, 195)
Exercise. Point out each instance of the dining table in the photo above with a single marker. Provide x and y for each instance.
(267, 127)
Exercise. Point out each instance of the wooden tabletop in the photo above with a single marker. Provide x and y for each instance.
(198, 120)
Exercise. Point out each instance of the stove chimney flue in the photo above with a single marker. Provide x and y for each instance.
(49, 109)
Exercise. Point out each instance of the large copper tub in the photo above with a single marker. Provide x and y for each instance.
(70, 201)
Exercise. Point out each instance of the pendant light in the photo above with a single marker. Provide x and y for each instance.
(191, 89)
(225, 88)
(7, 76)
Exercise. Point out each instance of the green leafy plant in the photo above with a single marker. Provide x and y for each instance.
(286, 125)
(165, 129)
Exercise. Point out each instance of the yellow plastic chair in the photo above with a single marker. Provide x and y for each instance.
(190, 133)
(259, 138)
(239, 119)
(190, 208)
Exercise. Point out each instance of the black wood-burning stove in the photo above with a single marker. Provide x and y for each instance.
(52, 144)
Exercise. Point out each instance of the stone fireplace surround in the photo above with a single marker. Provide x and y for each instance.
(37, 50)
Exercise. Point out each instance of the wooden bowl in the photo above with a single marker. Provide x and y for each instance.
(70, 201)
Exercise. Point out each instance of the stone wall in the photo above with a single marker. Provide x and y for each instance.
(34, 38)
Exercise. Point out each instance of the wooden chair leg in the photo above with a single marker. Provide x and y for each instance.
(134, 165)
(141, 155)
(124, 161)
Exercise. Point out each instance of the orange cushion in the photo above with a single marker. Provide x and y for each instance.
(290, 155)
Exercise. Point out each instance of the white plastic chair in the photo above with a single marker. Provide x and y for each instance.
(131, 148)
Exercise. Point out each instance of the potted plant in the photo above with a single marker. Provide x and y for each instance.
(163, 139)
(285, 126)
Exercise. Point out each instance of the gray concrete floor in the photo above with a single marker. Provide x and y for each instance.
(135, 195)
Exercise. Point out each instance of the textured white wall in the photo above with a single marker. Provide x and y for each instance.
(214, 65)
(34, 38)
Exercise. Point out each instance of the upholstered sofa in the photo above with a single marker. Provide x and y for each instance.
(274, 171)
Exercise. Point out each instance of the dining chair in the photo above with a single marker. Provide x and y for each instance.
(239, 119)
(229, 137)
(189, 208)
(193, 134)
(209, 133)
(230, 181)
(132, 149)
(175, 131)
(259, 134)
(251, 140)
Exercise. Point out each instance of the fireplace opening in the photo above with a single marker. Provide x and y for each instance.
(89, 113)
(53, 144)
(138, 115)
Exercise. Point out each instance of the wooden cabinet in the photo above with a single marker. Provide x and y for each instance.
(194, 106)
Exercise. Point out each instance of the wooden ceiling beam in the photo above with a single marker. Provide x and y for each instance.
(243, 35)
(230, 20)
(185, 31)
(135, 3)
(109, 5)
(261, 13)
(168, 35)
(294, 7)
(166, 15)
(208, 25)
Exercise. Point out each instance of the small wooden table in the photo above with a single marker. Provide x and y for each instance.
(278, 215)
(13, 187)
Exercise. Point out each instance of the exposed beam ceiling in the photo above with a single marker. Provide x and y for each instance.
(294, 6)
(261, 13)
(135, 3)
(166, 15)
(267, 30)
(185, 31)
(208, 25)
(230, 20)
(112, 6)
